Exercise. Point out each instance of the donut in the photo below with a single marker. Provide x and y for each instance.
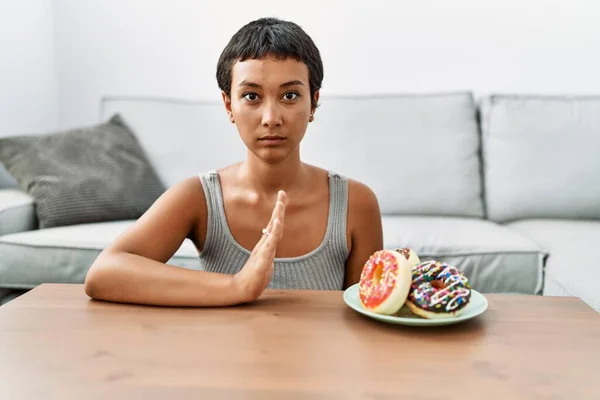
(384, 282)
(410, 255)
(438, 290)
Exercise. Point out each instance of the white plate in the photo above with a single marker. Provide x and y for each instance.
(477, 305)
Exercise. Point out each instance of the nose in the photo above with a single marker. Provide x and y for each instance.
(271, 115)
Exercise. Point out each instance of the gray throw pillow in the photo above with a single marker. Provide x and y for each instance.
(86, 175)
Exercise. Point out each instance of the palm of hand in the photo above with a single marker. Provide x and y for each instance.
(256, 274)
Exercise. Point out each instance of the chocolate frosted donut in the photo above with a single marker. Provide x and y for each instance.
(438, 290)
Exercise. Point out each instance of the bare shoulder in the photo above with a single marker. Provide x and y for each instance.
(186, 198)
(361, 198)
(365, 231)
(178, 212)
(364, 215)
(190, 188)
(187, 192)
(182, 201)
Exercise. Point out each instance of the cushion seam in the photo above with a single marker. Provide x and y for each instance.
(2, 242)
(28, 205)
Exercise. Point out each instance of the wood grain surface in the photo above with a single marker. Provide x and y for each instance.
(56, 343)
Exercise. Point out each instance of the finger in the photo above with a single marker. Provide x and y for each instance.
(280, 202)
(280, 205)
(282, 196)
(267, 250)
(281, 210)
(278, 212)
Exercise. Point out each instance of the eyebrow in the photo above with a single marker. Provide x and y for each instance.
(256, 85)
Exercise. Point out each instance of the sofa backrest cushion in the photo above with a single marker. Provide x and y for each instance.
(419, 153)
(541, 157)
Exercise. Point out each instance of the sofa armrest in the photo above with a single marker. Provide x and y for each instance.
(17, 211)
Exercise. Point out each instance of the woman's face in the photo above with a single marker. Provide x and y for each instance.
(270, 104)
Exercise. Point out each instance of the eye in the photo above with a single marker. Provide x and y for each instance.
(250, 96)
(291, 96)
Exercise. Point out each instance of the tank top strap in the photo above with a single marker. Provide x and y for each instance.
(214, 230)
(339, 208)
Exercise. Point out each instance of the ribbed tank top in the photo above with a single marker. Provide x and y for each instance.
(321, 269)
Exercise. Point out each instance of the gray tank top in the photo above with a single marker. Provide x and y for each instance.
(323, 268)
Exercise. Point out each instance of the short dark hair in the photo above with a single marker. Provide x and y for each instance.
(272, 37)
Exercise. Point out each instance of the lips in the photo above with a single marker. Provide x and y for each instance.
(272, 137)
(272, 140)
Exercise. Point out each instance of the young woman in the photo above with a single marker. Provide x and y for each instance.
(268, 221)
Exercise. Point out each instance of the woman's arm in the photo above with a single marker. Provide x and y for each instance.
(364, 225)
(133, 268)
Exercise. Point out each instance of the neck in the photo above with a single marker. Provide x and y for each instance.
(268, 178)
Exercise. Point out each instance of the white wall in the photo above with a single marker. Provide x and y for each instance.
(170, 47)
(28, 84)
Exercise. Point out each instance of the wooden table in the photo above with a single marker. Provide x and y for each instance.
(56, 343)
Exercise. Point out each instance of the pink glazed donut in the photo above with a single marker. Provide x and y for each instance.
(385, 282)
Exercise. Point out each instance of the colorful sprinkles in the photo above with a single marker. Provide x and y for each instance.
(378, 278)
(439, 287)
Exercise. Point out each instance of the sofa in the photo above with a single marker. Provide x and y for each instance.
(505, 187)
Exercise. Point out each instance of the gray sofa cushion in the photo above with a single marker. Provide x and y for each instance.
(571, 268)
(541, 157)
(495, 258)
(64, 254)
(17, 211)
(419, 154)
(83, 175)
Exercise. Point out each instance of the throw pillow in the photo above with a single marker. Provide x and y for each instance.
(93, 174)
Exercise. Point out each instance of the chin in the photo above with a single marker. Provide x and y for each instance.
(272, 155)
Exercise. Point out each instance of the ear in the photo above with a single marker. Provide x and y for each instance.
(317, 94)
(227, 102)
(314, 108)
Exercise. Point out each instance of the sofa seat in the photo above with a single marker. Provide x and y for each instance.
(64, 254)
(570, 268)
(17, 211)
(495, 258)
